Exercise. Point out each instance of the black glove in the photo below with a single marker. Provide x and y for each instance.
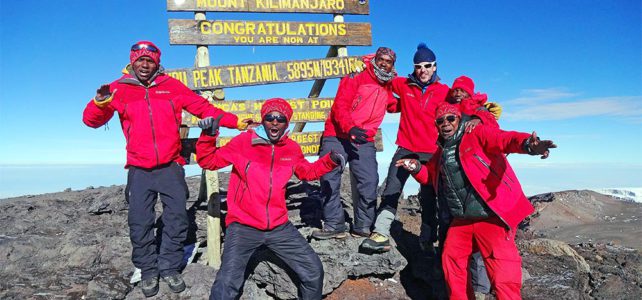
(210, 125)
(358, 135)
(338, 159)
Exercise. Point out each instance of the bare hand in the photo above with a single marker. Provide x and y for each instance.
(410, 164)
(250, 123)
(471, 124)
(102, 93)
(540, 147)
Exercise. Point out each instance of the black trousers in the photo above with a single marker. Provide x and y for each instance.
(143, 188)
(285, 241)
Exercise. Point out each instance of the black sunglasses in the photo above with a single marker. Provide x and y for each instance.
(450, 119)
(426, 65)
(137, 47)
(278, 118)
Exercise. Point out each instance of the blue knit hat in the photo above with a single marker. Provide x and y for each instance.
(423, 54)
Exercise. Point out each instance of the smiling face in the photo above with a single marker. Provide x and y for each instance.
(275, 124)
(385, 62)
(424, 71)
(459, 94)
(145, 68)
(447, 125)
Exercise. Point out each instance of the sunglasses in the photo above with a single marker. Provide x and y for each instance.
(450, 119)
(137, 47)
(425, 66)
(278, 118)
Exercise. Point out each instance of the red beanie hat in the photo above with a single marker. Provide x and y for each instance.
(465, 84)
(277, 104)
(144, 48)
(446, 108)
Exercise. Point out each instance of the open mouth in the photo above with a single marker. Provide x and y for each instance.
(447, 130)
(273, 132)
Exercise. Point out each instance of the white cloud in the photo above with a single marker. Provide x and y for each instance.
(560, 104)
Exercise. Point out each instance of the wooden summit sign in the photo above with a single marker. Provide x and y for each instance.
(294, 6)
(265, 73)
(304, 110)
(267, 33)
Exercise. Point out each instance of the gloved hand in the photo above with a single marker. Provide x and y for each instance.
(358, 135)
(494, 108)
(210, 125)
(410, 164)
(337, 158)
(103, 95)
(534, 146)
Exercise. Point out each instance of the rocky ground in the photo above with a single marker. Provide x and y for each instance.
(75, 245)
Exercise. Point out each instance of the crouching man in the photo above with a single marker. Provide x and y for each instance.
(263, 161)
(471, 174)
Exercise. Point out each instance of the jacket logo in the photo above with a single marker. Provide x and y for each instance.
(286, 158)
(162, 92)
(410, 95)
(468, 149)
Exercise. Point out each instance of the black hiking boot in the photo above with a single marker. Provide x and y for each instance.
(149, 286)
(376, 243)
(175, 282)
(323, 234)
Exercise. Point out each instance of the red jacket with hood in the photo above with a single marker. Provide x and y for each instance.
(482, 158)
(361, 101)
(474, 105)
(151, 117)
(260, 173)
(417, 131)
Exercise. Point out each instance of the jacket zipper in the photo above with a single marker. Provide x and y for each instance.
(492, 171)
(151, 121)
(125, 117)
(267, 204)
(174, 113)
(427, 100)
(374, 104)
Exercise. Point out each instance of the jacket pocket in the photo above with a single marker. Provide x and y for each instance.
(493, 172)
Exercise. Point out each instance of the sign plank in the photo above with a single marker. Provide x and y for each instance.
(309, 142)
(305, 110)
(208, 78)
(268, 33)
(353, 7)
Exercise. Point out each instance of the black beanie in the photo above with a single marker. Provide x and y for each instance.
(423, 54)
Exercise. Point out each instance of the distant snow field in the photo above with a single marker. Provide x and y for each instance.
(628, 194)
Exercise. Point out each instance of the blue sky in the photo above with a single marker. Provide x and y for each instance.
(571, 70)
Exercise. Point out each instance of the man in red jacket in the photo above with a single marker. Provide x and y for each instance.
(419, 95)
(263, 161)
(357, 112)
(149, 104)
(471, 174)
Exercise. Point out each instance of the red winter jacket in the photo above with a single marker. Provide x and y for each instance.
(151, 117)
(482, 158)
(361, 101)
(260, 172)
(417, 131)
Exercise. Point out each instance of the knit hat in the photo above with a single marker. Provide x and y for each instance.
(386, 51)
(423, 54)
(465, 84)
(446, 108)
(144, 48)
(277, 104)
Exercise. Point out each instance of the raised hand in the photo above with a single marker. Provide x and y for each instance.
(210, 125)
(539, 147)
(103, 93)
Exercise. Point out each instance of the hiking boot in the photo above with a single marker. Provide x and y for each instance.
(323, 234)
(149, 286)
(358, 234)
(175, 282)
(376, 243)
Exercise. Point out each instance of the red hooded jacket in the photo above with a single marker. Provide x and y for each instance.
(417, 131)
(260, 173)
(151, 117)
(361, 101)
(474, 105)
(481, 153)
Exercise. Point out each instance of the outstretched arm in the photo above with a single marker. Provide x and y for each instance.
(98, 111)
(306, 170)
(534, 146)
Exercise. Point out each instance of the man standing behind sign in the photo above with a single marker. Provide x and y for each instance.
(357, 112)
(149, 104)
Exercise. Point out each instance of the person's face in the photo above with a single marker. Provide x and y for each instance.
(459, 94)
(424, 70)
(385, 62)
(275, 124)
(447, 125)
(144, 67)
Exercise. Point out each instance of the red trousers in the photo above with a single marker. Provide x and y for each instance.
(497, 246)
